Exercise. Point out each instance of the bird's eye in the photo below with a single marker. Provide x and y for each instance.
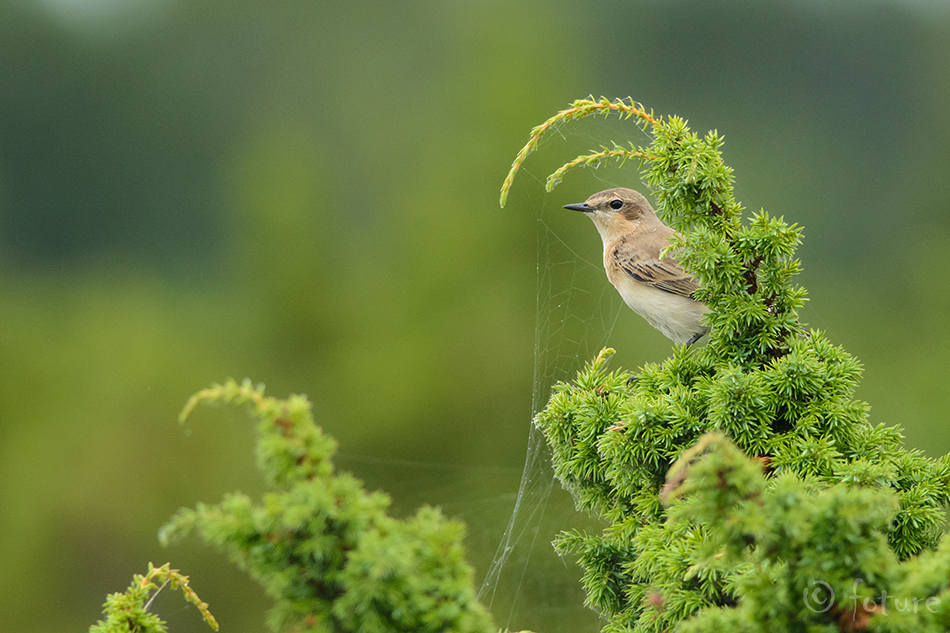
(616, 203)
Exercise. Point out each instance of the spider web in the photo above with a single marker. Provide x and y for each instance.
(577, 314)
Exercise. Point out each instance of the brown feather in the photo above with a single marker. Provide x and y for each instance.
(662, 274)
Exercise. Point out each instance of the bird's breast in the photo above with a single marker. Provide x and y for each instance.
(676, 316)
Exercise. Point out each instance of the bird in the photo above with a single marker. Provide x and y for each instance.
(657, 288)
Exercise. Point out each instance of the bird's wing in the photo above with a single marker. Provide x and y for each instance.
(662, 274)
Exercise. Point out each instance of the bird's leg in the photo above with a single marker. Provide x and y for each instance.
(695, 338)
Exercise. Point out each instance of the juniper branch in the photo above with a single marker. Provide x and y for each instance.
(594, 159)
(579, 109)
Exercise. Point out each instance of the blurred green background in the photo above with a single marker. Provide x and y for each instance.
(306, 194)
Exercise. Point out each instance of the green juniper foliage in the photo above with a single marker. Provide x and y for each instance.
(825, 500)
(128, 612)
(322, 547)
(799, 553)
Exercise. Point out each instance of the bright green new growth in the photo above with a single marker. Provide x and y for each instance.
(322, 547)
(839, 501)
(127, 612)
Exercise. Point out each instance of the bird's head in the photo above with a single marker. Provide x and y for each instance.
(614, 211)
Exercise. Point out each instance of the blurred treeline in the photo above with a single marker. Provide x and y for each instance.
(305, 193)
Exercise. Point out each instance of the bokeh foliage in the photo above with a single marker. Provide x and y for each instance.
(324, 549)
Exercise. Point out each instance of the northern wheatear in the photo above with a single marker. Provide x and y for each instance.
(658, 289)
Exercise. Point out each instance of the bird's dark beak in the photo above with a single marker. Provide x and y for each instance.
(582, 207)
